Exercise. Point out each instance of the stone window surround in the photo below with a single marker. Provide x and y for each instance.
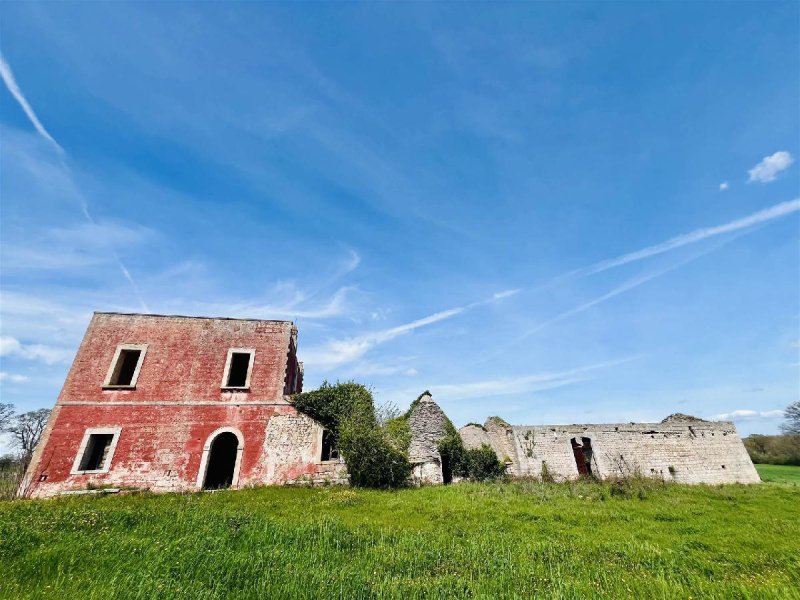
(201, 473)
(76, 465)
(226, 372)
(132, 385)
(334, 461)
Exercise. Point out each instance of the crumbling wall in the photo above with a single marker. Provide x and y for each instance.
(684, 450)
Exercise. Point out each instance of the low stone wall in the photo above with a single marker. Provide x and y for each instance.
(680, 450)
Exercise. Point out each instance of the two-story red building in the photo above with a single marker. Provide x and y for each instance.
(171, 403)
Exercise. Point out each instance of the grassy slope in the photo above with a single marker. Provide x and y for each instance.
(468, 540)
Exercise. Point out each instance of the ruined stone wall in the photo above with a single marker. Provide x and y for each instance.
(682, 451)
(177, 403)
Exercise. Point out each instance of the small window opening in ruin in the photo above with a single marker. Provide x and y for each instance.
(329, 449)
(43, 477)
(723, 466)
(125, 367)
(221, 461)
(582, 450)
(96, 452)
(238, 368)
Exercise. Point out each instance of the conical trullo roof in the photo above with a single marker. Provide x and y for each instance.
(428, 425)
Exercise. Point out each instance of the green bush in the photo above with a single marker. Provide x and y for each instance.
(347, 410)
(332, 403)
(774, 449)
(372, 460)
(482, 464)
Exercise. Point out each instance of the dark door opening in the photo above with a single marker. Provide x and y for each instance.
(221, 462)
(583, 456)
(447, 470)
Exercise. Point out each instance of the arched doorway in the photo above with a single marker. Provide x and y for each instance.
(222, 459)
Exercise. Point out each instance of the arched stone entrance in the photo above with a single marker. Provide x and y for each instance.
(219, 466)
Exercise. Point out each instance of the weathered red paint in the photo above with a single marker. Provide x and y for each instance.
(177, 404)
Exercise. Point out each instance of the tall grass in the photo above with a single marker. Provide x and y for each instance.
(504, 540)
(11, 471)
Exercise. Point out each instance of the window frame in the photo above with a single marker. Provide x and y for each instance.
(107, 385)
(90, 431)
(331, 461)
(226, 373)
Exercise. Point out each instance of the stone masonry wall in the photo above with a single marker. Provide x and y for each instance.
(682, 451)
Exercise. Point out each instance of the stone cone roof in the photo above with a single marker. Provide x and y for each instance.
(428, 425)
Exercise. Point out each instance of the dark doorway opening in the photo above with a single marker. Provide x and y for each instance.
(221, 462)
(447, 470)
(582, 450)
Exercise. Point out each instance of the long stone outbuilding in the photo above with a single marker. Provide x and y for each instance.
(680, 448)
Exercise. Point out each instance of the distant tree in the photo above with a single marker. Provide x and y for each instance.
(27, 428)
(6, 415)
(792, 415)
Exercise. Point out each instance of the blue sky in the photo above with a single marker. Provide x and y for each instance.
(552, 212)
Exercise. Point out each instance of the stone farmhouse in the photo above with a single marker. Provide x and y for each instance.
(173, 403)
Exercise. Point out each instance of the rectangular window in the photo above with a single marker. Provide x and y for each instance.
(125, 366)
(238, 368)
(96, 450)
(329, 449)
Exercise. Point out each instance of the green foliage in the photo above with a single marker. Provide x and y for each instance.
(523, 539)
(332, 403)
(483, 465)
(774, 449)
(399, 433)
(477, 464)
(792, 416)
(11, 472)
(373, 458)
(451, 449)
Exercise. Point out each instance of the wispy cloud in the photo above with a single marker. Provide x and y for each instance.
(81, 245)
(13, 377)
(338, 352)
(11, 83)
(769, 167)
(723, 186)
(516, 385)
(747, 415)
(10, 346)
(763, 216)
(13, 88)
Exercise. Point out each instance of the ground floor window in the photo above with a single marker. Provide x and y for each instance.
(96, 450)
(329, 449)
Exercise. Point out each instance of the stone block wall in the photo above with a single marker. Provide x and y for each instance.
(684, 451)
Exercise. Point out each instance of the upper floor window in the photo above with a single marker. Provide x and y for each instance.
(125, 367)
(238, 368)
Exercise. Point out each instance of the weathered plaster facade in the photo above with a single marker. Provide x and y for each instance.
(680, 448)
(162, 426)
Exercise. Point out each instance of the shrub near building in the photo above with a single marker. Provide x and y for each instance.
(347, 410)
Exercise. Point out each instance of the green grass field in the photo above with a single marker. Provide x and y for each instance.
(779, 474)
(517, 540)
